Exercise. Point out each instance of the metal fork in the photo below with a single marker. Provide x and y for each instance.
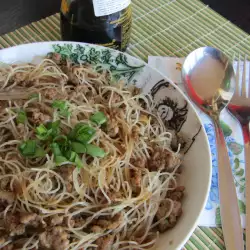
(240, 108)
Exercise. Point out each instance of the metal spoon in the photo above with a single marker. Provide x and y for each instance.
(209, 79)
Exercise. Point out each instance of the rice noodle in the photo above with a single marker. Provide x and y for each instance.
(43, 190)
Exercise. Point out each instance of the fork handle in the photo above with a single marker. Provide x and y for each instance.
(246, 131)
(229, 209)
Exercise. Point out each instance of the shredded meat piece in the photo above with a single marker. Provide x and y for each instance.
(13, 225)
(115, 196)
(21, 130)
(136, 177)
(51, 94)
(87, 91)
(112, 128)
(56, 57)
(116, 98)
(38, 117)
(134, 90)
(164, 207)
(110, 224)
(2, 240)
(56, 239)
(171, 221)
(16, 223)
(177, 194)
(78, 222)
(17, 187)
(9, 197)
(96, 229)
(56, 220)
(103, 223)
(20, 77)
(3, 205)
(3, 105)
(28, 218)
(105, 243)
(8, 247)
(139, 162)
(116, 221)
(162, 159)
(66, 172)
(5, 184)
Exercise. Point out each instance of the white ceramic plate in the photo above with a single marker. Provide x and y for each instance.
(177, 113)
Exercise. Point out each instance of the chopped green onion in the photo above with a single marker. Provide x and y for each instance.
(99, 118)
(61, 139)
(83, 133)
(62, 107)
(21, 117)
(28, 148)
(74, 158)
(78, 147)
(59, 104)
(43, 133)
(39, 152)
(95, 151)
(78, 161)
(56, 149)
(31, 149)
(60, 160)
(54, 127)
(41, 130)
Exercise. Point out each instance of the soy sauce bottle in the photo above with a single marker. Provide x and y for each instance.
(102, 22)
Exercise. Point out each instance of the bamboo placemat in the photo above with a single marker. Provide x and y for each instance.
(163, 28)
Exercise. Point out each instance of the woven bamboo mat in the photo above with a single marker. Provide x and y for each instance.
(165, 28)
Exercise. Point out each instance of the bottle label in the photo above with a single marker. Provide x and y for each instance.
(108, 7)
(123, 31)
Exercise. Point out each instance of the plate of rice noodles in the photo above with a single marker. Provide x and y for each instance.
(97, 151)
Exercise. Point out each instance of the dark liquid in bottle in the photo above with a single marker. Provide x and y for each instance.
(79, 23)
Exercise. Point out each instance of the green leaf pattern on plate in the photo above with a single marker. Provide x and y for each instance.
(236, 150)
(117, 63)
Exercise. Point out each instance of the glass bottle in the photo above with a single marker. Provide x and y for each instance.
(103, 22)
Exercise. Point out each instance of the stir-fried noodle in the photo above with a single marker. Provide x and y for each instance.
(85, 162)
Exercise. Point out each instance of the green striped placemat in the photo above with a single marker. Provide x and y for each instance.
(165, 28)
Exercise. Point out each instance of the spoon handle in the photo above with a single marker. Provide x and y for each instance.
(229, 209)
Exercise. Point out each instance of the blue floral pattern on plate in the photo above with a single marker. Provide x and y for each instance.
(232, 133)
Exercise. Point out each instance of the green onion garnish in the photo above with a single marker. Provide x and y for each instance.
(95, 151)
(74, 158)
(56, 149)
(78, 147)
(60, 160)
(21, 117)
(52, 129)
(82, 133)
(62, 107)
(31, 149)
(42, 132)
(99, 118)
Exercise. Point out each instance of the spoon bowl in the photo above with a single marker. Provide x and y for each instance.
(209, 79)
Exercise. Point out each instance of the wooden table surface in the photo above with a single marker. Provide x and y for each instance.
(17, 13)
